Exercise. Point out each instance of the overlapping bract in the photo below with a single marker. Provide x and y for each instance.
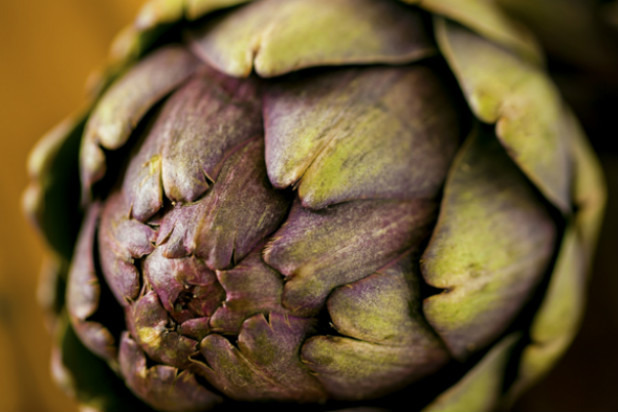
(275, 224)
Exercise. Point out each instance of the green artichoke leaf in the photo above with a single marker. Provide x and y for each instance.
(488, 20)
(274, 37)
(502, 88)
(481, 388)
(589, 193)
(156, 19)
(84, 291)
(52, 199)
(198, 8)
(161, 12)
(490, 248)
(130, 45)
(557, 320)
(383, 340)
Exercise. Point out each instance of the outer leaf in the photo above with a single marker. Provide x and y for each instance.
(95, 386)
(83, 293)
(490, 247)
(156, 12)
(159, 12)
(198, 8)
(52, 283)
(589, 194)
(279, 36)
(156, 19)
(558, 319)
(505, 89)
(479, 390)
(52, 198)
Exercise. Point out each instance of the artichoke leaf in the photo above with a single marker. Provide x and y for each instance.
(265, 365)
(558, 319)
(96, 387)
(121, 241)
(274, 37)
(83, 292)
(251, 287)
(481, 388)
(198, 8)
(356, 134)
(589, 192)
(51, 200)
(165, 388)
(192, 117)
(159, 12)
(124, 104)
(149, 324)
(504, 89)
(385, 342)
(318, 251)
(174, 280)
(490, 248)
(234, 216)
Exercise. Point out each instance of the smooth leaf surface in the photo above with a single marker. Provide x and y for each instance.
(518, 96)
(274, 37)
(491, 246)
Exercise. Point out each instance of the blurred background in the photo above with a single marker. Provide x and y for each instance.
(48, 49)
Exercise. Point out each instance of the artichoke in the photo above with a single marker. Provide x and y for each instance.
(328, 203)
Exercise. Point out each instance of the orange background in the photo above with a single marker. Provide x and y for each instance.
(47, 50)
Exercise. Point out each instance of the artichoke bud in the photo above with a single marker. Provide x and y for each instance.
(291, 201)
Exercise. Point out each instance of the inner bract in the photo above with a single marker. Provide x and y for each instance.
(265, 235)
